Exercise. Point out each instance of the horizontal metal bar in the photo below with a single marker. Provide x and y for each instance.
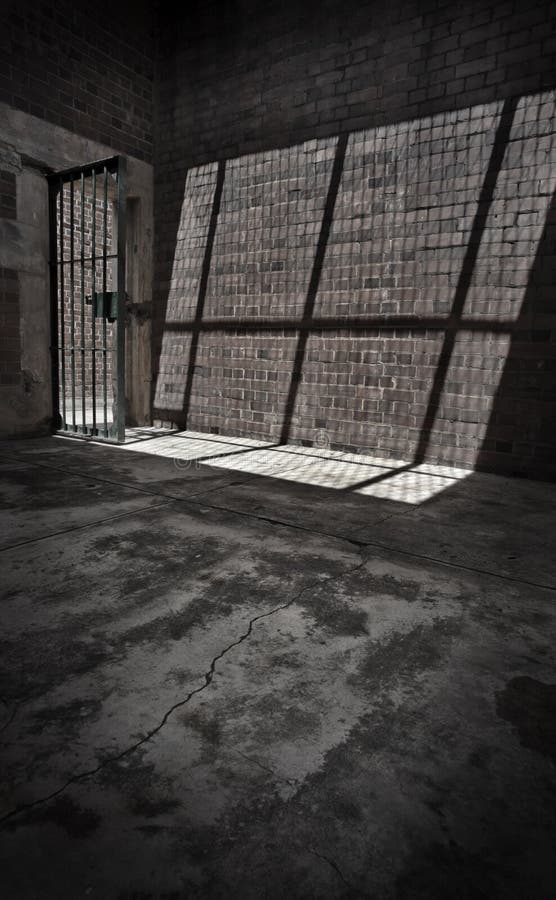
(111, 164)
(77, 349)
(65, 262)
(84, 431)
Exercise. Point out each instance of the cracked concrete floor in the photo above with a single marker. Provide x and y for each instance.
(218, 684)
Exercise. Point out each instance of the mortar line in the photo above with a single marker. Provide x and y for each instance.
(208, 677)
(282, 523)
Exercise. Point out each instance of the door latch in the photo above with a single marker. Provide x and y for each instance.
(104, 304)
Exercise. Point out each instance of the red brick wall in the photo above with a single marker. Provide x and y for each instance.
(355, 227)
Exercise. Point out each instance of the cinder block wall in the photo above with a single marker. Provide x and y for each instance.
(355, 227)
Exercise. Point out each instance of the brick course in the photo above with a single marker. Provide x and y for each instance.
(355, 227)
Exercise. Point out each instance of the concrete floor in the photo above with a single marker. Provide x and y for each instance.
(277, 679)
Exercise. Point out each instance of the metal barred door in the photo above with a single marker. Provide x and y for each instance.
(87, 274)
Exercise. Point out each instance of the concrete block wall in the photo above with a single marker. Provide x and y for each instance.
(355, 227)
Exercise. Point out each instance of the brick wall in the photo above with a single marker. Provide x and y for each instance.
(85, 66)
(10, 339)
(355, 227)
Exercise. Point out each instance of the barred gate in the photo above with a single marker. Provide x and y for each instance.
(87, 278)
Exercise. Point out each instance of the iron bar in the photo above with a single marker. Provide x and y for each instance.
(119, 360)
(62, 334)
(54, 317)
(83, 374)
(93, 288)
(89, 258)
(105, 355)
(72, 304)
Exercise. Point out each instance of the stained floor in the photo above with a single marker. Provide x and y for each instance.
(238, 671)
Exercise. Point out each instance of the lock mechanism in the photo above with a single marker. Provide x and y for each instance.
(104, 304)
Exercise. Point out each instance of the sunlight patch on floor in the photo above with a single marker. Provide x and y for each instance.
(384, 479)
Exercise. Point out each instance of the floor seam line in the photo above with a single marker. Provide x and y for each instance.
(361, 544)
(126, 484)
(453, 565)
(79, 474)
(393, 515)
(281, 522)
(46, 537)
(194, 499)
(350, 540)
(218, 488)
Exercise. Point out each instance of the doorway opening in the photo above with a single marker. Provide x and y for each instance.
(87, 209)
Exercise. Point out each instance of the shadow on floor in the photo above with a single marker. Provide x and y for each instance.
(219, 684)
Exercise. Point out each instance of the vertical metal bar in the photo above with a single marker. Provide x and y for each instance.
(72, 304)
(83, 377)
(54, 335)
(104, 337)
(93, 289)
(62, 332)
(119, 411)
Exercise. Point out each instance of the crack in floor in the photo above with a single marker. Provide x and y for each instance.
(11, 715)
(293, 782)
(208, 677)
(334, 865)
(14, 704)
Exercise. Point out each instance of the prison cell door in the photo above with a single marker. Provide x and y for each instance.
(87, 275)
